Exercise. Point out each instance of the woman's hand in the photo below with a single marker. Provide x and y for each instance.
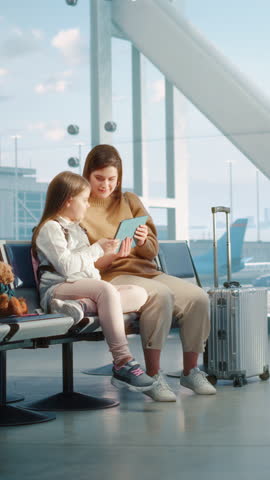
(106, 260)
(141, 235)
(125, 248)
(108, 245)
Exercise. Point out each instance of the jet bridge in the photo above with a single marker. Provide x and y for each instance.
(205, 76)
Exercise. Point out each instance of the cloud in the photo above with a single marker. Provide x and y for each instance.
(5, 98)
(36, 126)
(19, 42)
(70, 44)
(37, 33)
(58, 86)
(59, 82)
(55, 134)
(47, 131)
(158, 91)
(17, 31)
(3, 72)
(67, 73)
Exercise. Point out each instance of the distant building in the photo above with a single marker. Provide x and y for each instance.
(21, 202)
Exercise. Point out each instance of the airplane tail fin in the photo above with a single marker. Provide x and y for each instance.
(237, 231)
(204, 263)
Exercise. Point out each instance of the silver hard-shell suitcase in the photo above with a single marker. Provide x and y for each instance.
(238, 341)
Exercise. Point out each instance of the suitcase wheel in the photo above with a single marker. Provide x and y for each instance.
(212, 379)
(264, 375)
(239, 381)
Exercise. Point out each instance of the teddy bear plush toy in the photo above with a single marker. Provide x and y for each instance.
(9, 304)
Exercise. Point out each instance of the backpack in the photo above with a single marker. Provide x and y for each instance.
(39, 269)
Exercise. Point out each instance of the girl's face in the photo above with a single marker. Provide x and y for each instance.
(76, 207)
(103, 182)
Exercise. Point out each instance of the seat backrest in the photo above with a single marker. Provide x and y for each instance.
(18, 255)
(175, 259)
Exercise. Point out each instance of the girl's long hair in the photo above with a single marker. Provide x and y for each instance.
(103, 156)
(60, 189)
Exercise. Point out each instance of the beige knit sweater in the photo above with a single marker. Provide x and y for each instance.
(102, 219)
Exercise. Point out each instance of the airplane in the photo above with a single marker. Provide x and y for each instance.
(254, 273)
(204, 263)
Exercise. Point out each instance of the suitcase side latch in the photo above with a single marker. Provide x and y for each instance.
(222, 366)
(222, 334)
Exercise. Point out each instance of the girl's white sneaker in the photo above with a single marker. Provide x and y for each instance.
(70, 308)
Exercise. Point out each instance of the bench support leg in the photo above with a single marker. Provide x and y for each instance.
(3, 377)
(68, 399)
(67, 368)
(4, 396)
(10, 415)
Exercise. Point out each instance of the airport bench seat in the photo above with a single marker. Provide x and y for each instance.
(41, 331)
(45, 330)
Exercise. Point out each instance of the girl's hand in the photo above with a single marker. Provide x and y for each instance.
(125, 248)
(141, 235)
(108, 245)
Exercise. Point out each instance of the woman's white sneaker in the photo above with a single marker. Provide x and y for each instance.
(161, 392)
(70, 308)
(196, 380)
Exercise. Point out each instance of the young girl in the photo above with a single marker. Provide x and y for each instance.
(69, 281)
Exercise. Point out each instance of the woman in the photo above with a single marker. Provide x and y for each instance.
(168, 296)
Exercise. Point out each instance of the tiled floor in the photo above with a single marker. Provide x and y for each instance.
(226, 436)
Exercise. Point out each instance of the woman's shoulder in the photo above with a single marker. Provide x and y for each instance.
(130, 197)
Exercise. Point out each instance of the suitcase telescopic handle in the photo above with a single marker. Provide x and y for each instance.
(225, 210)
(220, 209)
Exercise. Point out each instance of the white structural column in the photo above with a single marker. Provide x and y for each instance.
(181, 185)
(169, 129)
(101, 72)
(201, 73)
(137, 121)
(170, 160)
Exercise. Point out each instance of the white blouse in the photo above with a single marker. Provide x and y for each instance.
(71, 255)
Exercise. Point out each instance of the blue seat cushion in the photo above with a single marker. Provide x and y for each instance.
(19, 257)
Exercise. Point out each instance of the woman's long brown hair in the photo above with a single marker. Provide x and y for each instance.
(103, 156)
(60, 189)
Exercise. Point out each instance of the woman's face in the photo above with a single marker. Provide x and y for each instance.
(103, 182)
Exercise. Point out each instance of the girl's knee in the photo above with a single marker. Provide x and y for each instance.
(108, 289)
(133, 296)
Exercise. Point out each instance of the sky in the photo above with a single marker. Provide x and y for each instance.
(44, 81)
(45, 86)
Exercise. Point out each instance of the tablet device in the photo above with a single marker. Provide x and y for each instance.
(127, 228)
